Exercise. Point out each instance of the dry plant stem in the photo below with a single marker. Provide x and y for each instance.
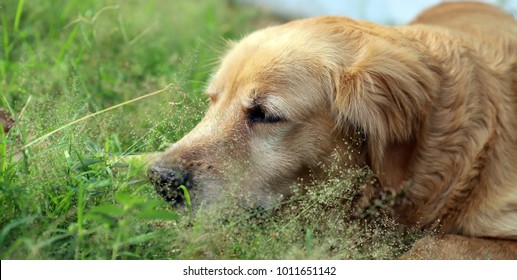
(39, 139)
(20, 115)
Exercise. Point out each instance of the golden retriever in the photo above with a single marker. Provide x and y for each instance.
(431, 109)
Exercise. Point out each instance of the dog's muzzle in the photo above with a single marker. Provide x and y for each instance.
(168, 181)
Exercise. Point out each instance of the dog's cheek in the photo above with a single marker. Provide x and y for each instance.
(274, 161)
(209, 190)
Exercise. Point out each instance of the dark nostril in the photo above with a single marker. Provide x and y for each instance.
(167, 181)
(164, 176)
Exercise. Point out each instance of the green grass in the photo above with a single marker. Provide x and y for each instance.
(63, 198)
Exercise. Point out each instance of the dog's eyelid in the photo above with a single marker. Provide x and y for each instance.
(257, 114)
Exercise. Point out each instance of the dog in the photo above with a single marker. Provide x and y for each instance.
(430, 107)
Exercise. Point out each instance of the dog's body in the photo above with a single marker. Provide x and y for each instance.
(430, 107)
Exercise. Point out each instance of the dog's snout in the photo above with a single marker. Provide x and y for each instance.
(168, 180)
(164, 176)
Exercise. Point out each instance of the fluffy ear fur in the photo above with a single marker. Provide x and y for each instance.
(386, 92)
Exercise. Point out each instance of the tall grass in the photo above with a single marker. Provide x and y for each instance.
(64, 198)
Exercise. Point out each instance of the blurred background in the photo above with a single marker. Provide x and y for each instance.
(380, 11)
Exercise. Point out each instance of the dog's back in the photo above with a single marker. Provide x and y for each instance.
(478, 19)
(475, 46)
(482, 27)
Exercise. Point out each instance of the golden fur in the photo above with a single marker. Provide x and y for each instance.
(431, 108)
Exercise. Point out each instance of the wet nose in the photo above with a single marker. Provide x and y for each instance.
(167, 182)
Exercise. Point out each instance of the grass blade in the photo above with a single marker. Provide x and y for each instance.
(6, 47)
(19, 10)
(186, 194)
(13, 224)
(3, 153)
(67, 45)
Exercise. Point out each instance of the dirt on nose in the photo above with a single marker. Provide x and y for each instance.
(168, 181)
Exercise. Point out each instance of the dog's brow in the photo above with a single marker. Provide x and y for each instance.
(274, 102)
(256, 99)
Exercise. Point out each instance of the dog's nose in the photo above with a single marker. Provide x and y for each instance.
(167, 182)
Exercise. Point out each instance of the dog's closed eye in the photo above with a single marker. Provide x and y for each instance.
(257, 115)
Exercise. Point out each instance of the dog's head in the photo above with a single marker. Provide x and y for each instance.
(286, 98)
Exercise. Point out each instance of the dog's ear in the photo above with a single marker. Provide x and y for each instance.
(386, 92)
